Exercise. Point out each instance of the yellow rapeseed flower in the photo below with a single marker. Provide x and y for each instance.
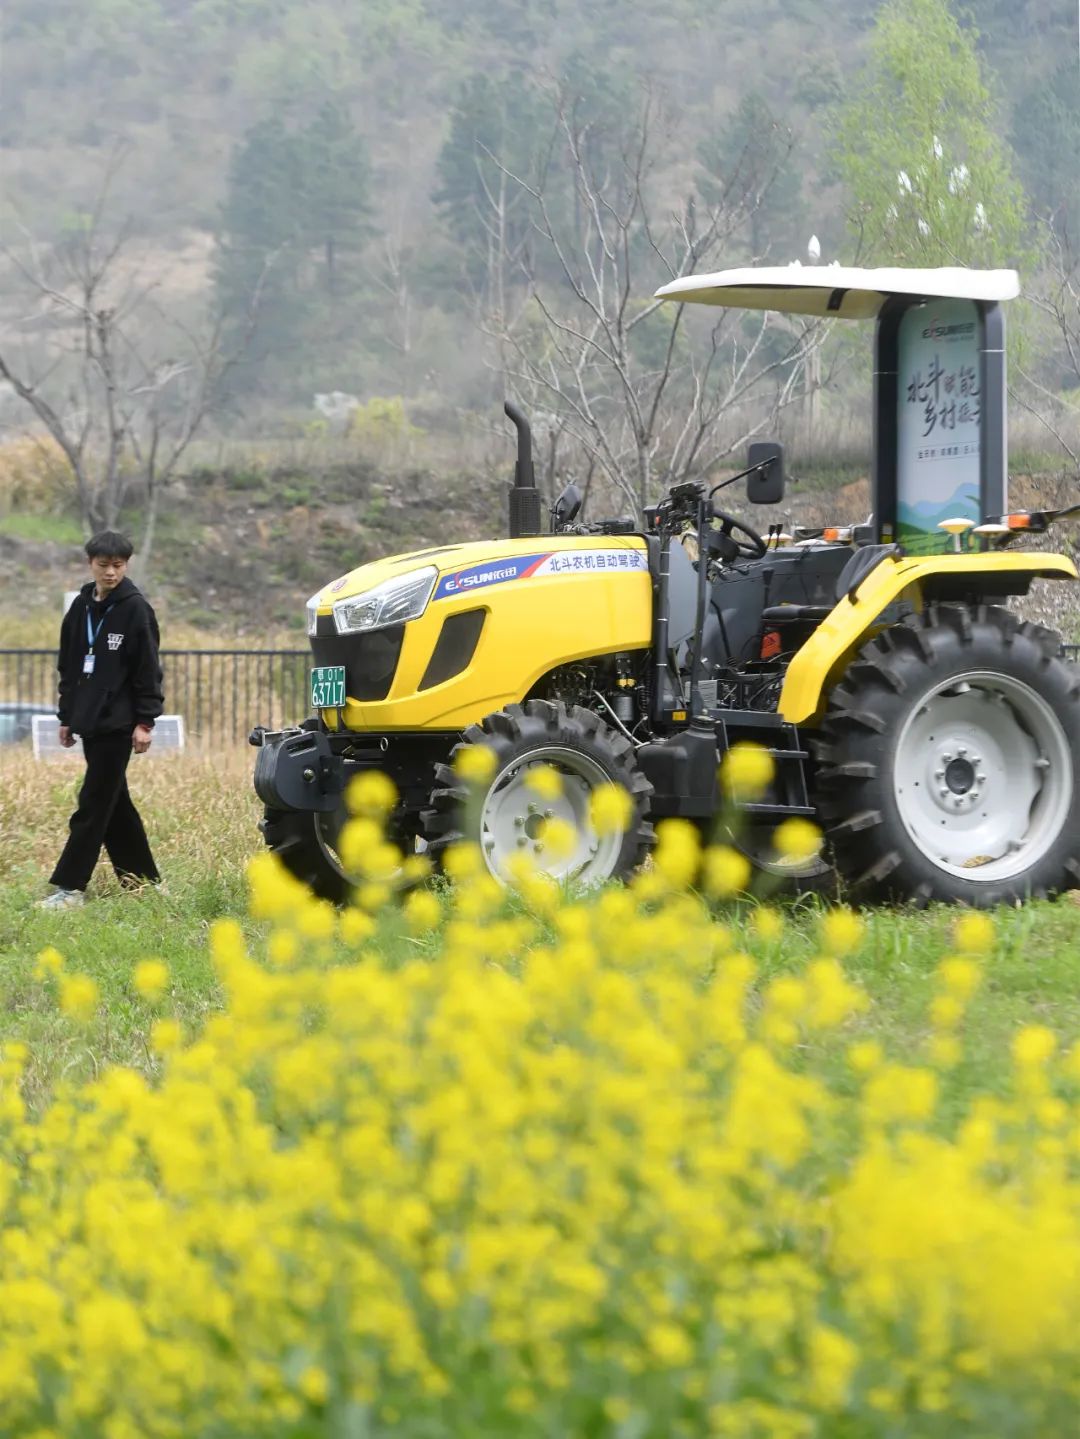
(959, 976)
(544, 780)
(833, 1359)
(274, 891)
(415, 868)
(864, 1056)
(49, 963)
(1033, 1046)
(371, 793)
(151, 979)
(166, 1036)
(768, 924)
(973, 933)
(358, 840)
(282, 948)
(678, 852)
(558, 837)
(565, 1144)
(946, 1011)
(725, 872)
(611, 809)
(355, 926)
(747, 770)
(841, 931)
(79, 996)
(317, 920)
(314, 1385)
(475, 764)
(797, 840)
(670, 1344)
(463, 860)
(372, 896)
(422, 911)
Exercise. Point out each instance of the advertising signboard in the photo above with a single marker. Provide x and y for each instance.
(939, 421)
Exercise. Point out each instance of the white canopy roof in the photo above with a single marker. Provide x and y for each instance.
(840, 290)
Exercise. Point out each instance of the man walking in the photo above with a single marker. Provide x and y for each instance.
(110, 695)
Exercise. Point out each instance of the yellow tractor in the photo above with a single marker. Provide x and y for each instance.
(932, 734)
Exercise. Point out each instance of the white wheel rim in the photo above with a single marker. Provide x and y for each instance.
(983, 776)
(513, 814)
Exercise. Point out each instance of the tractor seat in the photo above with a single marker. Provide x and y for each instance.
(865, 559)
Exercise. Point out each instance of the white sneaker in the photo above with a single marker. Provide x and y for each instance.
(63, 899)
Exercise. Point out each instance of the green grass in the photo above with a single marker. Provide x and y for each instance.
(55, 529)
(202, 817)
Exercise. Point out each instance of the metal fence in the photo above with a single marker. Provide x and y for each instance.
(219, 693)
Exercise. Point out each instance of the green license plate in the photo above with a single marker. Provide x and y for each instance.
(328, 687)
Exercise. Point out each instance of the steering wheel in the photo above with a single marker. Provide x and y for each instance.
(752, 546)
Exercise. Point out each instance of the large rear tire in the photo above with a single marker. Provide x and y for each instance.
(507, 817)
(948, 763)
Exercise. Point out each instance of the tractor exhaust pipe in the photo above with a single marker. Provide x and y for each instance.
(524, 496)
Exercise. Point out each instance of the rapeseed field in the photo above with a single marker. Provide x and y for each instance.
(546, 1165)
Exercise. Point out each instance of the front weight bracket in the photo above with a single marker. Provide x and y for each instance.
(296, 769)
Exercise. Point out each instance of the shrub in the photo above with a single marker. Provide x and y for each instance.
(34, 476)
(382, 429)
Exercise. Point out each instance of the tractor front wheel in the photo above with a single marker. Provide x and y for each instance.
(948, 763)
(306, 844)
(505, 815)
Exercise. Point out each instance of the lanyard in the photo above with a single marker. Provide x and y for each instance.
(91, 633)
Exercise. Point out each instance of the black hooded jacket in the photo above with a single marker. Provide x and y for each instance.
(125, 687)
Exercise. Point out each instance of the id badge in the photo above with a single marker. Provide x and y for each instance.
(88, 664)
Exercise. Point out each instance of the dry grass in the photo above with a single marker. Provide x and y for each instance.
(201, 812)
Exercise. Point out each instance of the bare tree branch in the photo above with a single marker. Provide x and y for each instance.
(642, 399)
(133, 414)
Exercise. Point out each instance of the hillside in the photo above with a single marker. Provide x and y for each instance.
(393, 106)
(239, 551)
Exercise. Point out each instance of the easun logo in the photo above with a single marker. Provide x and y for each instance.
(935, 330)
(468, 582)
(495, 572)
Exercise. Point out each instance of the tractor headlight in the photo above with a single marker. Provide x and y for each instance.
(311, 609)
(391, 603)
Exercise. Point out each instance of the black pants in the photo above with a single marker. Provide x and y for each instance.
(106, 815)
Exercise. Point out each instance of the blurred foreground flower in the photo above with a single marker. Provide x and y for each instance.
(151, 979)
(520, 1164)
(747, 771)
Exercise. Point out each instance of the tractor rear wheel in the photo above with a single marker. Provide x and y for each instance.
(948, 762)
(505, 815)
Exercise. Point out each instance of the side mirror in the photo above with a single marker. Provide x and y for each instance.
(566, 507)
(765, 483)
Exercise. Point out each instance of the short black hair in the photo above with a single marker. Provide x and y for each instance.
(108, 545)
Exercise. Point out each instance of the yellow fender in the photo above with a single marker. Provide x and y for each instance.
(823, 657)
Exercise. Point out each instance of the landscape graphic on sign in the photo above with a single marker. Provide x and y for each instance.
(938, 433)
